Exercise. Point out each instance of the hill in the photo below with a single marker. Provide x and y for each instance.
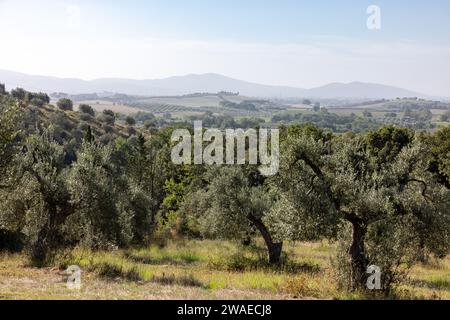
(193, 83)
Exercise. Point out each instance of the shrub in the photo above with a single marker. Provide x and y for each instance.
(130, 121)
(19, 93)
(60, 120)
(86, 109)
(108, 128)
(106, 139)
(83, 126)
(109, 112)
(86, 117)
(445, 117)
(390, 245)
(106, 118)
(65, 104)
(130, 131)
(301, 286)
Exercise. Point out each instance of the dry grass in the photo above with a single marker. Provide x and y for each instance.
(100, 105)
(201, 270)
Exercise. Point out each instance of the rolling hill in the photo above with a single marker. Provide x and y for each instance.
(200, 83)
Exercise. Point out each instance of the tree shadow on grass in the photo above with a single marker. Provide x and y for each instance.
(438, 283)
(242, 263)
(112, 272)
(117, 272)
(185, 281)
(165, 260)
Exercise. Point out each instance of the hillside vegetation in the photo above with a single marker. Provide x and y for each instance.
(98, 189)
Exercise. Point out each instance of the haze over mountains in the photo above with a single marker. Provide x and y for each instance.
(194, 83)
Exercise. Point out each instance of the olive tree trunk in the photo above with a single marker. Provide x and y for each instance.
(357, 256)
(274, 248)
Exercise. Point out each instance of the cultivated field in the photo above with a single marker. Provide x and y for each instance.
(192, 102)
(201, 270)
(100, 105)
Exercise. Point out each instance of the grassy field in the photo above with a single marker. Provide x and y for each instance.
(200, 270)
(100, 105)
(192, 102)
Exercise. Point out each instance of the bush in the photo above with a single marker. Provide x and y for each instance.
(19, 93)
(78, 134)
(109, 112)
(445, 117)
(389, 246)
(130, 121)
(342, 270)
(106, 118)
(130, 131)
(37, 102)
(149, 124)
(301, 286)
(65, 104)
(61, 121)
(86, 109)
(108, 128)
(86, 117)
(83, 126)
(106, 139)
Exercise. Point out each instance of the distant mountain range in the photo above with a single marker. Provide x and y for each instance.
(194, 83)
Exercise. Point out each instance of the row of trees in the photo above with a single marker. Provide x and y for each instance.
(385, 194)
(387, 190)
(102, 195)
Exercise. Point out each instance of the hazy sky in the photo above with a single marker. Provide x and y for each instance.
(296, 43)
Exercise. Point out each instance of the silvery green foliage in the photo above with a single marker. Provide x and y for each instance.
(304, 211)
(10, 203)
(440, 147)
(40, 176)
(420, 204)
(9, 116)
(239, 201)
(286, 222)
(112, 209)
(125, 221)
(354, 183)
(392, 245)
(342, 180)
(92, 186)
(195, 208)
(232, 199)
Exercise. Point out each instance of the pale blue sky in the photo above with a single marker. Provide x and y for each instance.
(287, 42)
(284, 20)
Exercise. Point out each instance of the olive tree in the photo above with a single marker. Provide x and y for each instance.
(65, 104)
(130, 121)
(440, 148)
(93, 192)
(45, 201)
(366, 185)
(9, 128)
(112, 206)
(86, 109)
(238, 202)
